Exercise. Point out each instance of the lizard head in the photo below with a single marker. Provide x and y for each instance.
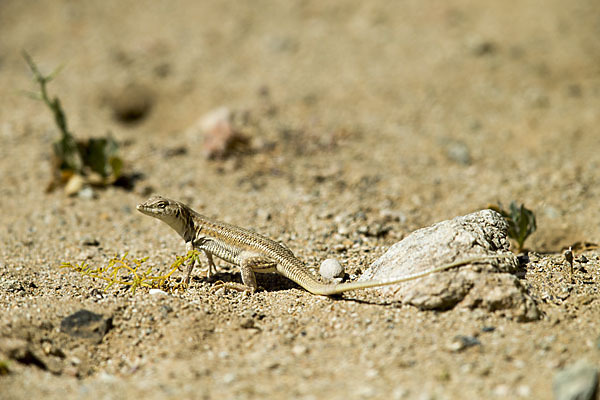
(169, 211)
(175, 214)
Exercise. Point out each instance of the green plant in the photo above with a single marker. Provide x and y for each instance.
(4, 369)
(521, 221)
(85, 158)
(129, 271)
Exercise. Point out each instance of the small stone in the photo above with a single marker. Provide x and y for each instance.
(247, 323)
(461, 342)
(371, 373)
(576, 382)
(340, 247)
(331, 268)
(50, 349)
(165, 310)
(229, 377)
(157, 292)
(220, 137)
(366, 392)
(501, 390)
(90, 241)
(524, 391)
(390, 215)
(175, 151)
(343, 230)
(86, 193)
(400, 393)
(74, 185)
(263, 214)
(299, 349)
(13, 286)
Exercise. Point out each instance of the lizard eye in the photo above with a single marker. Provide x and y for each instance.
(162, 204)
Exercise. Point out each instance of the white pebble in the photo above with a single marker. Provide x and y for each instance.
(157, 291)
(299, 349)
(331, 268)
(86, 193)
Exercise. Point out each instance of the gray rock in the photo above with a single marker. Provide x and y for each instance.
(489, 285)
(87, 325)
(576, 382)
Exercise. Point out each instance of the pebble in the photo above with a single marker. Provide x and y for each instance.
(229, 377)
(391, 215)
(158, 292)
(220, 137)
(90, 241)
(461, 342)
(501, 390)
(343, 230)
(524, 391)
(74, 185)
(331, 268)
(576, 382)
(299, 349)
(86, 193)
(247, 323)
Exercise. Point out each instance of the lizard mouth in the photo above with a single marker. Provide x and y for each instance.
(142, 208)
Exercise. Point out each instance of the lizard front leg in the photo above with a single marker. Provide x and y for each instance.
(197, 245)
(189, 246)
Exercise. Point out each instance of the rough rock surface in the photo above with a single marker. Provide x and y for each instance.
(490, 286)
(576, 382)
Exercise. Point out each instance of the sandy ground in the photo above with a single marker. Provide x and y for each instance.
(357, 111)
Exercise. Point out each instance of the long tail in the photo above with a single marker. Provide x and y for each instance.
(328, 290)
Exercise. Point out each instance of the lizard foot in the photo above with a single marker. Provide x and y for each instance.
(240, 287)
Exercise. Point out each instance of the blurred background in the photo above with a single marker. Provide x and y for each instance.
(428, 109)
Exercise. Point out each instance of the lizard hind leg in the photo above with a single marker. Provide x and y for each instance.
(212, 268)
(249, 263)
(249, 284)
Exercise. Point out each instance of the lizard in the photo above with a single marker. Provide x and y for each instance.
(253, 252)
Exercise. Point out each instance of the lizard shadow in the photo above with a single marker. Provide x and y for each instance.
(372, 302)
(270, 282)
(273, 282)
